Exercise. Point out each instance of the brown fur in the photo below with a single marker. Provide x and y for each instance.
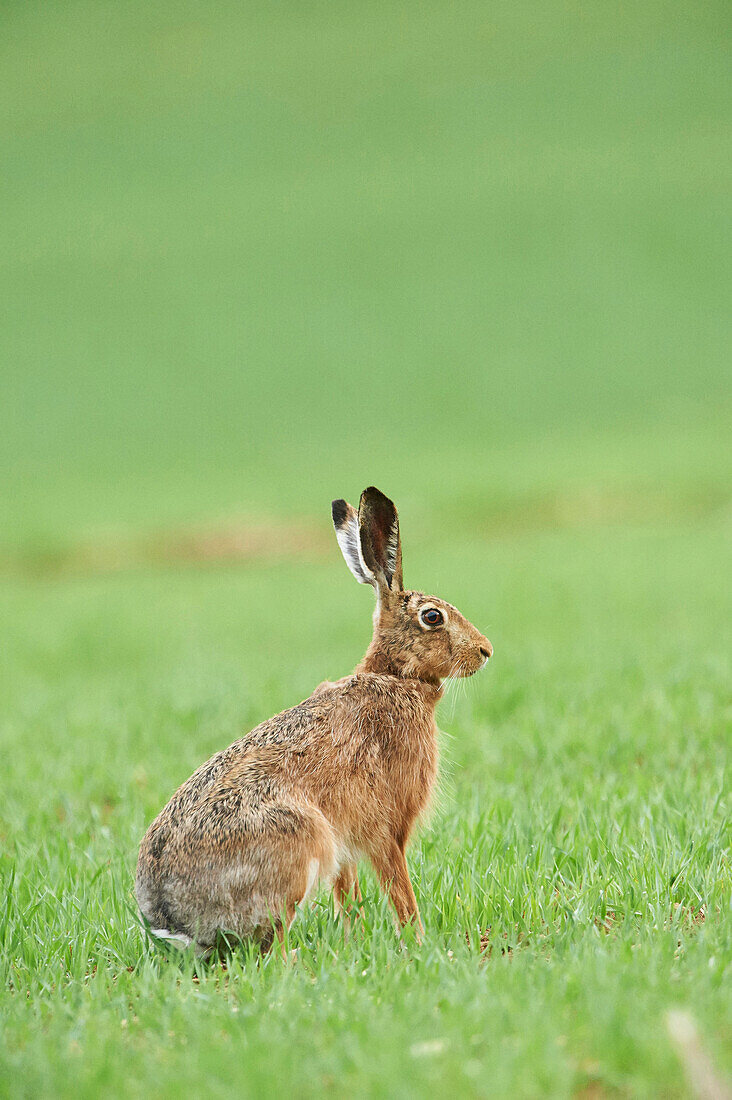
(344, 774)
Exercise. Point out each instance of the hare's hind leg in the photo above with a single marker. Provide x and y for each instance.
(289, 866)
(237, 877)
(296, 898)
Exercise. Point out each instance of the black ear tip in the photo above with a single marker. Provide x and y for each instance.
(339, 508)
(376, 496)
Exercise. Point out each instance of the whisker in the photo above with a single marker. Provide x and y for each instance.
(454, 675)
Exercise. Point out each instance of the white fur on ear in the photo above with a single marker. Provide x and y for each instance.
(345, 521)
(392, 549)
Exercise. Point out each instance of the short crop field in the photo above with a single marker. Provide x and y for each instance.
(259, 257)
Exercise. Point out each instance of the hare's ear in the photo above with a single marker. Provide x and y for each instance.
(345, 521)
(381, 547)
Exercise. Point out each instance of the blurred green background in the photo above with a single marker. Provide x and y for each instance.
(257, 256)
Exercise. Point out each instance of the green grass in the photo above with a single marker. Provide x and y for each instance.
(256, 257)
(585, 783)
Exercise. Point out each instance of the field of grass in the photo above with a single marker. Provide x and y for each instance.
(259, 256)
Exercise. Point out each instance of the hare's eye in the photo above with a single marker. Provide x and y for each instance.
(431, 616)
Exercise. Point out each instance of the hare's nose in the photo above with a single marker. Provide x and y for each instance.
(487, 649)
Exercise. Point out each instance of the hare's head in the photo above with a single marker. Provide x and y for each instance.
(414, 635)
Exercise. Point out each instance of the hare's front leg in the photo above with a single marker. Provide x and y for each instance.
(390, 865)
(347, 892)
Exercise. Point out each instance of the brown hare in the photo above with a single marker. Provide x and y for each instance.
(343, 775)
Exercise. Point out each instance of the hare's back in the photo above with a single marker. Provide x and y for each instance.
(244, 790)
(260, 756)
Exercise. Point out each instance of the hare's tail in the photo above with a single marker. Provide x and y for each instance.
(158, 919)
(181, 941)
(175, 939)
